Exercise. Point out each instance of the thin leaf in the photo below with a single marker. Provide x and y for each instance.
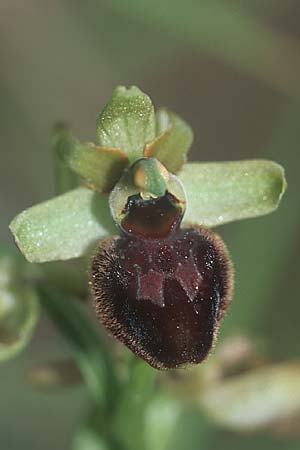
(64, 227)
(172, 144)
(100, 167)
(90, 353)
(127, 122)
(218, 193)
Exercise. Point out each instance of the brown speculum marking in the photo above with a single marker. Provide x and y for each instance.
(163, 297)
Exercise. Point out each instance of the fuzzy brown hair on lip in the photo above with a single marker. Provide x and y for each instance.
(163, 298)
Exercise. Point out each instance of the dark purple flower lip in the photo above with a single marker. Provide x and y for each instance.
(164, 298)
(153, 218)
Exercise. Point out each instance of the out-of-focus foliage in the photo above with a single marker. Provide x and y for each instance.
(263, 398)
(89, 352)
(231, 68)
(18, 305)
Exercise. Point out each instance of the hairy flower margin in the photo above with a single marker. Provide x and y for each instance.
(166, 310)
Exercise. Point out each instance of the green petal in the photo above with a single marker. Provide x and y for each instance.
(64, 227)
(18, 308)
(218, 193)
(127, 122)
(100, 167)
(173, 142)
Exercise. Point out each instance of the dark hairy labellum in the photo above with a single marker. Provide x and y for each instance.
(163, 297)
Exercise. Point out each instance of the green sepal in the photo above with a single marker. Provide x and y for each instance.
(127, 122)
(100, 167)
(174, 139)
(64, 227)
(218, 193)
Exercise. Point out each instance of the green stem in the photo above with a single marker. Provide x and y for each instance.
(132, 404)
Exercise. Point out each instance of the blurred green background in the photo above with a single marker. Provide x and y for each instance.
(232, 70)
